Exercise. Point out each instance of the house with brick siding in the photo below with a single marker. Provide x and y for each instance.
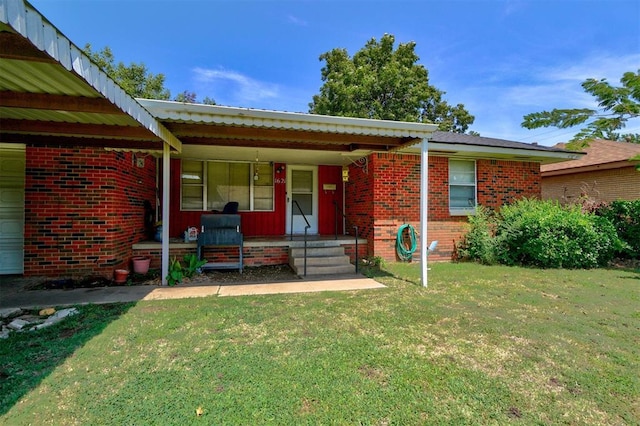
(85, 170)
(606, 173)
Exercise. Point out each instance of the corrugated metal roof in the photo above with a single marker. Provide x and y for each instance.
(42, 77)
(216, 114)
(46, 62)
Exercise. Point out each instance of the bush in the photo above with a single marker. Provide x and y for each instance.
(625, 217)
(542, 234)
(547, 235)
(478, 243)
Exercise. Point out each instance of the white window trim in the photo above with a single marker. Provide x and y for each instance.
(463, 211)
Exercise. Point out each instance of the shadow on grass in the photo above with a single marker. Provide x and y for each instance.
(28, 358)
(378, 274)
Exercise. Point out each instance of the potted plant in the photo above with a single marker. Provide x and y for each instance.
(120, 276)
(141, 264)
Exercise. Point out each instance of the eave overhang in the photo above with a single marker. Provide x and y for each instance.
(493, 152)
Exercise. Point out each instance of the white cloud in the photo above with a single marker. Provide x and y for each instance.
(297, 21)
(509, 92)
(233, 88)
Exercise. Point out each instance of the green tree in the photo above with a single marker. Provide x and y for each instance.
(382, 83)
(617, 105)
(136, 79)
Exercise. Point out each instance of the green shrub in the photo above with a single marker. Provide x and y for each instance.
(478, 243)
(547, 235)
(625, 217)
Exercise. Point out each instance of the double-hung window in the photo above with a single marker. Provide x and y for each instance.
(462, 187)
(209, 185)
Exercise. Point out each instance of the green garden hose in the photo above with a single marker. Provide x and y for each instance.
(403, 252)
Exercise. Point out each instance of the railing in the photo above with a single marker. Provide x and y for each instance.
(306, 229)
(343, 216)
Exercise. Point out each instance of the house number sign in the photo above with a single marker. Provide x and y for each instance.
(280, 181)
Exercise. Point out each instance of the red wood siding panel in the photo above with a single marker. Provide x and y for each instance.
(326, 209)
(254, 224)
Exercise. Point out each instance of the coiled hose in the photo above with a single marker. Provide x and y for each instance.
(403, 252)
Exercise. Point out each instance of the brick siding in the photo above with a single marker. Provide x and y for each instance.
(83, 210)
(386, 194)
(598, 185)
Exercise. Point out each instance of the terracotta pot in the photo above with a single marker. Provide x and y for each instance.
(141, 264)
(120, 276)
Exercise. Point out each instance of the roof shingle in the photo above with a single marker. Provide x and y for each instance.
(599, 152)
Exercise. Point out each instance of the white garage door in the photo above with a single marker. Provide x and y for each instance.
(12, 171)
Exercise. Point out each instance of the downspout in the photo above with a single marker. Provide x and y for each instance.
(166, 156)
(424, 208)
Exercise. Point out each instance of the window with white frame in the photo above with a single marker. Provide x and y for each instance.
(209, 185)
(462, 187)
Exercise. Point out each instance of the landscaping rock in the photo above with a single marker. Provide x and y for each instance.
(10, 312)
(18, 324)
(4, 333)
(56, 318)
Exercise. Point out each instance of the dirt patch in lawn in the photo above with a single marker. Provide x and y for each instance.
(259, 274)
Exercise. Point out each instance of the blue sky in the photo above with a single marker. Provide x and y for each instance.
(501, 59)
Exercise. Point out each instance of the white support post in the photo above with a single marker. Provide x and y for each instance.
(424, 209)
(166, 156)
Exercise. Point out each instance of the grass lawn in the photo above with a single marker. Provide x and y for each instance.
(481, 345)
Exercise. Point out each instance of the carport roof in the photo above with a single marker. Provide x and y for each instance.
(52, 94)
(197, 124)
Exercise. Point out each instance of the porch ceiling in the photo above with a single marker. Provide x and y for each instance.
(52, 94)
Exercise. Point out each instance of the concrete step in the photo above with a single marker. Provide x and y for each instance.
(317, 251)
(326, 269)
(319, 261)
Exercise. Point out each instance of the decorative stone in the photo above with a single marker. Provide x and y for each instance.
(10, 312)
(4, 333)
(18, 324)
(56, 318)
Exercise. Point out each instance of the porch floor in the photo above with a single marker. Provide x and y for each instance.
(272, 241)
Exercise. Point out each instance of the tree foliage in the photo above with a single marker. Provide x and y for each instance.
(617, 105)
(136, 79)
(382, 83)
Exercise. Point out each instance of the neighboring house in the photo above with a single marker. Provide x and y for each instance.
(81, 162)
(606, 173)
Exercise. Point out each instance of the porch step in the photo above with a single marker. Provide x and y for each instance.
(321, 261)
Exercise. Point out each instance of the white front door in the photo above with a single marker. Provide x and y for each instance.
(302, 191)
(12, 172)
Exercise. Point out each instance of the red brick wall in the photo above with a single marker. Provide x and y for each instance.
(83, 210)
(386, 194)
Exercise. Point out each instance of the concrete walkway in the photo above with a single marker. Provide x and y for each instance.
(12, 297)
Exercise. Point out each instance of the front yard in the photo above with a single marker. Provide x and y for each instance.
(481, 345)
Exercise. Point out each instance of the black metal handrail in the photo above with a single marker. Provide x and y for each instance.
(355, 227)
(306, 229)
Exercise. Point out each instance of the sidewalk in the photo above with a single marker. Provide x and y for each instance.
(20, 298)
